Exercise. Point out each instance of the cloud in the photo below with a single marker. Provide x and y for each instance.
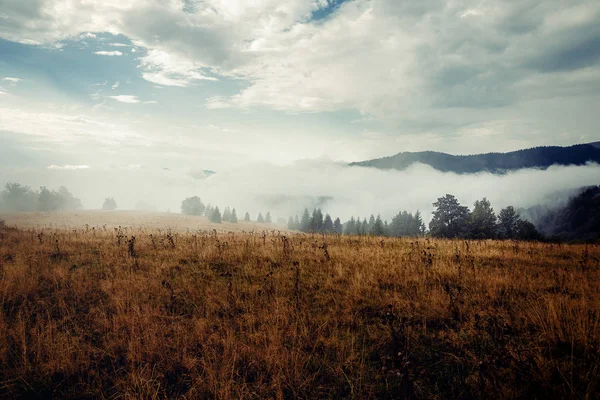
(12, 80)
(167, 69)
(115, 85)
(125, 98)
(72, 167)
(109, 53)
(416, 66)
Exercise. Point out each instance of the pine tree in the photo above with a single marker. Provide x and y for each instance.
(364, 229)
(305, 221)
(350, 227)
(377, 229)
(215, 216)
(337, 226)
(296, 223)
(233, 217)
(226, 214)
(268, 219)
(483, 220)
(328, 224)
(260, 219)
(508, 222)
(247, 217)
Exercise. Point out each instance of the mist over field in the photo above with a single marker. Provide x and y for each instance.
(285, 191)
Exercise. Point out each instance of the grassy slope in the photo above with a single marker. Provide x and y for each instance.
(252, 316)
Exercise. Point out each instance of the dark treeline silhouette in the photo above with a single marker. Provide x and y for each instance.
(16, 197)
(537, 157)
(450, 219)
(578, 220)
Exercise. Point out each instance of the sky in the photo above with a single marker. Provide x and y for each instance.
(155, 88)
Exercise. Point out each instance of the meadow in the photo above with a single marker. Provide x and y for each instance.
(98, 310)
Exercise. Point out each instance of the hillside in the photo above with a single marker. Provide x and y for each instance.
(537, 157)
(579, 220)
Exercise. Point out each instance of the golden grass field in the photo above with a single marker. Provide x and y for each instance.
(138, 313)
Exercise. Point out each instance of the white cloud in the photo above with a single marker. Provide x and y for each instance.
(125, 98)
(118, 45)
(12, 80)
(71, 167)
(115, 85)
(166, 69)
(109, 53)
(415, 65)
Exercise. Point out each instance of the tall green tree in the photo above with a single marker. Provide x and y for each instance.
(450, 219)
(268, 218)
(260, 219)
(483, 220)
(247, 217)
(233, 217)
(508, 223)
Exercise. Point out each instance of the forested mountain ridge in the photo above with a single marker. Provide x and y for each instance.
(498, 163)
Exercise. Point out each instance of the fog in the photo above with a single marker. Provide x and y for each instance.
(286, 190)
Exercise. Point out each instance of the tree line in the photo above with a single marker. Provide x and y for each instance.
(194, 206)
(450, 219)
(20, 198)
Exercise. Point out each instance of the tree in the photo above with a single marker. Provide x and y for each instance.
(233, 217)
(305, 221)
(290, 223)
(48, 200)
(364, 229)
(67, 200)
(371, 222)
(508, 223)
(350, 227)
(268, 218)
(215, 216)
(247, 217)
(17, 197)
(328, 224)
(450, 219)
(226, 214)
(109, 204)
(337, 226)
(260, 219)
(483, 220)
(527, 231)
(296, 223)
(208, 211)
(377, 228)
(193, 206)
(316, 221)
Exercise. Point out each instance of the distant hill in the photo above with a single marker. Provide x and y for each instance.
(498, 163)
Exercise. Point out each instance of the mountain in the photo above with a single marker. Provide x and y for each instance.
(498, 163)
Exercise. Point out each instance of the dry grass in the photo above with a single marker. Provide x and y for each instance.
(132, 219)
(95, 313)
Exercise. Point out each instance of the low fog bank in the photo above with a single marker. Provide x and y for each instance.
(286, 190)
